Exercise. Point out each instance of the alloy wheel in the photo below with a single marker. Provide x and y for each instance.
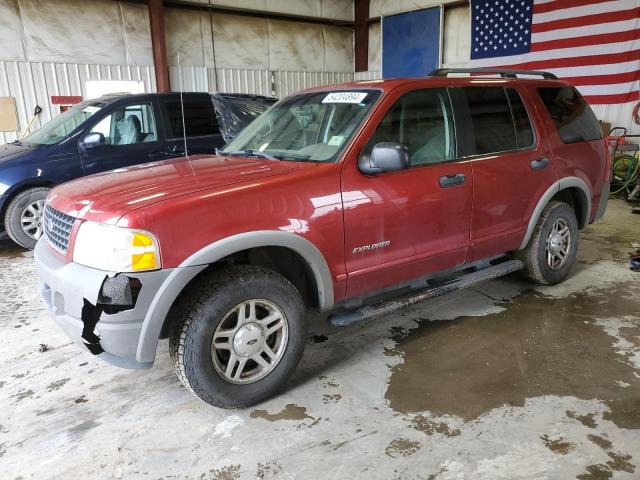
(250, 341)
(558, 245)
(31, 219)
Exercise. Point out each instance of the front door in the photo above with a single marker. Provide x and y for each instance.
(130, 137)
(407, 224)
(512, 168)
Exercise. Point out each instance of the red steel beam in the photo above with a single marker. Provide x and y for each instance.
(159, 45)
(361, 35)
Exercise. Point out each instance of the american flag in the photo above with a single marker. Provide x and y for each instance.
(594, 44)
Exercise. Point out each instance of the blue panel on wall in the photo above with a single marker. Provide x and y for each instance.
(410, 43)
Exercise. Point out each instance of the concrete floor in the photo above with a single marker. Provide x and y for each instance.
(504, 381)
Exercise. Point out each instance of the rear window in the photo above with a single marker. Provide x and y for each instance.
(572, 116)
(199, 118)
(498, 124)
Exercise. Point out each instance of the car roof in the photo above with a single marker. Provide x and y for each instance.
(115, 97)
(387, 85)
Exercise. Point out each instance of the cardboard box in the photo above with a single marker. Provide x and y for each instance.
(8, 115)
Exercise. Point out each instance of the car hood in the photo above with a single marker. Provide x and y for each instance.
(105, 197)
(12, 151)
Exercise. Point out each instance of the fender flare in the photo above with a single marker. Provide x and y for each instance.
(196, 263)
(558, 186)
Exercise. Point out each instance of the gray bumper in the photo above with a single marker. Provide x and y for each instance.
(66, 286)
(604, 201)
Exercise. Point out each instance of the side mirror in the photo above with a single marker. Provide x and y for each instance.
(92, 140)
(385, 157)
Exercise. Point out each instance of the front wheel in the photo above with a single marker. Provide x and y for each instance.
(23, 220)
(553, 247)
(239, 336)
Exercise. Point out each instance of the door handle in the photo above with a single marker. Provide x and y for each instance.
(539, 163)
(157, 155)
(176, 150)
(452, 180)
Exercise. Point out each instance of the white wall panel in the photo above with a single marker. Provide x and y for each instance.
(65, 31)
(375, 47)
(10, 31)
(241, 42)
(334, 9)
(456, 36)
(255, 43)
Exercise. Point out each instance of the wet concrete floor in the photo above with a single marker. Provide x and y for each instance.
(504, 381)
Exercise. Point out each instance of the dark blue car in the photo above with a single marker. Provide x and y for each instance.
(112, 132)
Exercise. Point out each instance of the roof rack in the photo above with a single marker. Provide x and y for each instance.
(444, 72)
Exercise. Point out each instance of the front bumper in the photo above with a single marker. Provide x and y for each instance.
(72, 294)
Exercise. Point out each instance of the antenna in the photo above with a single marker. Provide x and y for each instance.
(184, 128)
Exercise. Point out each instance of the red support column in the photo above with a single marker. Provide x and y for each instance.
(361, 35)
(159, 45)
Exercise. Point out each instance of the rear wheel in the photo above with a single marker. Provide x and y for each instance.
(240, 334)
(23, 219)
(553, 246)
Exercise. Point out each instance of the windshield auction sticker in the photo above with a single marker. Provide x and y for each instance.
(344, 97)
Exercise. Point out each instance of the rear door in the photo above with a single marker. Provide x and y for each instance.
(512, 167)
(407, 224)
(200, 121)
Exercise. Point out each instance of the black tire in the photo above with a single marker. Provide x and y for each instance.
(203, 309)
(535, 254)
(12, 218)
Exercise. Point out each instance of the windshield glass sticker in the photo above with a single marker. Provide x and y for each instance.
(336, 140)
(344, 97)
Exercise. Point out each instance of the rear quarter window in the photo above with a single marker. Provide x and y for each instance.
(571, 114)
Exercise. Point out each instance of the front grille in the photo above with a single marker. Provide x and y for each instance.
(57, 228)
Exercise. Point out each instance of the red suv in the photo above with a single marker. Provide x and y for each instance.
(354, 199)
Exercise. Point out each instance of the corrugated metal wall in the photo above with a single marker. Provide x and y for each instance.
(369, 75)
(33, 83)
(262, 82)
(618, 116)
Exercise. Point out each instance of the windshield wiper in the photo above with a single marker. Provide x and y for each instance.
(18, 142)
(291, 156)
(250, 153)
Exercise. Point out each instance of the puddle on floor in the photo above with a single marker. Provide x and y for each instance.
(538, 346)
(290, 412)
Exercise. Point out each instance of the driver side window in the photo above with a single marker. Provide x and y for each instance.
(421, 120)
(128, 125)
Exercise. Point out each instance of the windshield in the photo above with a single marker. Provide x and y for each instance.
(59, 127)
(309, 127)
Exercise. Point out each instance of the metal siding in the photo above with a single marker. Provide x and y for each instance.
(368, 75)
(33, 83)
(619, 115)
(261, 82)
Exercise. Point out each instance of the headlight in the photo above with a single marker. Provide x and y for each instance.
(115, 249)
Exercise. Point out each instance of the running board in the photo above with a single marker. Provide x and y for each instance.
(367, 312)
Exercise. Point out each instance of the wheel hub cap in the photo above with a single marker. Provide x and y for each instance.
(558, 245)
(555, 244)
(248, 340)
